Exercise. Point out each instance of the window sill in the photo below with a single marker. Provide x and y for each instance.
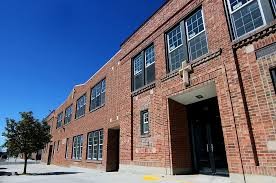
(77, 160)
(79, 117)
(143, 89)
(146, 135)
(93, 110)
(94, 161)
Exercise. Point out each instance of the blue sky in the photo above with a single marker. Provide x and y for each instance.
(48, 46)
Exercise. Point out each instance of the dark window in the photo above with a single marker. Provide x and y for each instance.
(144, 68)
(273, 77)
(98, 95)
(187, 41)
(145, 122)
(95, 145)
(59, 120)
(66, 148)
(68, 115)
(81, 103)
(58, 145)
(77, 147)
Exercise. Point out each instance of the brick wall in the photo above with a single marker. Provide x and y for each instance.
(244, 90)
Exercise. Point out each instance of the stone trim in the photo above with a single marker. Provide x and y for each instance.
(143, 89)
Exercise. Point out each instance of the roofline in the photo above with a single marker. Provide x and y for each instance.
(137, 29)
(91, 77)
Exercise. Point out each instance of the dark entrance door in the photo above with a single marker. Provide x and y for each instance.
(207, 138)
(113, 153)
(50, 155)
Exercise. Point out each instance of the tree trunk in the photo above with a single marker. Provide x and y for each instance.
(25, 163)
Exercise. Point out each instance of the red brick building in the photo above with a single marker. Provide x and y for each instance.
(191, 91)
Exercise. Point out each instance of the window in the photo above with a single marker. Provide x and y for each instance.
(144, 68)
(58, 145)
(187, 41)
(273, 77)
(98, 95)
(68, 115)
(54, 148)
(197, 40)
(145, 122)
(81, 103)
(95, 145)
(59, 120)
(77, 147)
(273, 2)
(66, 148)
(246, 16)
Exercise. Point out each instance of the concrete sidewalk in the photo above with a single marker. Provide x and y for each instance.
(41, 173)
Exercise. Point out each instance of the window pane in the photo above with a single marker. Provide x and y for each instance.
(274, 6)
(138, 64)
(247, 19)
(198, 46)
(138, 81)
(149, 56)
(145, 122)
(174, 38)
(195, 24)
(235, 4)
(176, 57)
(81, 103)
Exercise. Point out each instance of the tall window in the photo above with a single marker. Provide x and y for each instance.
(246, 16)
(197, 41)
(273, 77)
(98, 95)
(145, 122)
(95, 145)
(58, 143)
(144, 68)
(66, 148)
(77, 147)
(187, 41)
(68, 115)
(59, 120)
(81, 103)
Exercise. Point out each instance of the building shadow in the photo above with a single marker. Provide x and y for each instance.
(54, 173)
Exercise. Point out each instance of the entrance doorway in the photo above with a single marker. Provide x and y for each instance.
(50, 155)
(113, 150)
(209, 154)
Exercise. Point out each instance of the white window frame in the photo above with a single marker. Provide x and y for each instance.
(145, 116)
(100, 145)
(78, 140)
(168, 44)
(68, 114)
(147, 65)
(194, 36)
(81, 102)
(232, 12)
(204, 30)
(95, 145)
(135, 65)
(89, 144)
(59, 120)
